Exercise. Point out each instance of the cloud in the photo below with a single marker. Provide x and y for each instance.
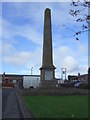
(12, 56)
(36, 0)
(30, 34)
(27, 59)
(0, 35)
(67, 53)
(27, 31)
(61, 52)
(70, 63)
(30, 11)
(22, 58)
(66, 57)
(0, 27)
(61, 18)
(83, 49)
(17, 59)
(8, 31)
(63, 57)
(7, 49)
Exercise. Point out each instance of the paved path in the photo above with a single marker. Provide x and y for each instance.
(5, 94)
(11, 104)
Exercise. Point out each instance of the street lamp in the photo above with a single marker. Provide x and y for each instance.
(31, 70)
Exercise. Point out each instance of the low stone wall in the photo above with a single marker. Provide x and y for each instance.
(54, 92)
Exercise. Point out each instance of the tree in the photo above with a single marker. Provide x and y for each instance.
(84, 18)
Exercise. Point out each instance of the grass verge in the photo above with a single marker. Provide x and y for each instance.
(58, 106)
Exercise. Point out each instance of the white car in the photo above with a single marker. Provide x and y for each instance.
(80, 83)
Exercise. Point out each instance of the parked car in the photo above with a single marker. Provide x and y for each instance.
(81, 85)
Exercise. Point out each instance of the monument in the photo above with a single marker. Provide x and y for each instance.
(48, 69)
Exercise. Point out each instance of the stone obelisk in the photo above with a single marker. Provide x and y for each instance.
(47, 69)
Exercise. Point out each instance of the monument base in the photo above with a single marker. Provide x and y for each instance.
(48, 84)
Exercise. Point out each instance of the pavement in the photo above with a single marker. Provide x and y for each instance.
(0, 103)
(12, 105)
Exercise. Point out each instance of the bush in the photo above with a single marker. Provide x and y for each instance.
(60, 92)
(83, 86)
(67, 85)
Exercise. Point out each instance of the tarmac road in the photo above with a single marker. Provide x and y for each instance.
(10, 107)
(5, 94)
(0, 103)
(11, 104)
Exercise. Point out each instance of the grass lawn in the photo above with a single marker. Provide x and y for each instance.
(58, 106)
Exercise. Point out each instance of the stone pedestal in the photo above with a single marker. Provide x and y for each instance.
(48, 85)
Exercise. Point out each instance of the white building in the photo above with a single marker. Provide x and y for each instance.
(59, 81)
(31, 81)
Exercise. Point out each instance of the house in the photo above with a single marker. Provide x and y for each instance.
(83, 77)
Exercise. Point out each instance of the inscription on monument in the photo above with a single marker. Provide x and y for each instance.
(48, 75)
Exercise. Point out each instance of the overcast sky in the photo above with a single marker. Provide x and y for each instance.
(22, 38)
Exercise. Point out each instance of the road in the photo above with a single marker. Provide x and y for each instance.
(10, 104)
(5, 94)
(0, 103)
(10, 107)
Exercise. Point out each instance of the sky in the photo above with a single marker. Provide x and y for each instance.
(22, 38)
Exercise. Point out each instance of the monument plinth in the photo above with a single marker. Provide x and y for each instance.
(47, 69)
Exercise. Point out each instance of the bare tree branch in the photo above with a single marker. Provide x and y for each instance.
(82, 17)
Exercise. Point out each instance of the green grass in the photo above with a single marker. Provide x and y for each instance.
(58, 106)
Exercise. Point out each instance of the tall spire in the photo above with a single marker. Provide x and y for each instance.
(47, 40)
